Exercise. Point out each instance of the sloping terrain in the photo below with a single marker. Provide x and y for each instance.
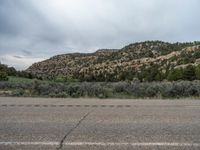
(115, 64)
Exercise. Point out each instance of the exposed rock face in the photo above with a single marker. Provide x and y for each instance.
(131, 57)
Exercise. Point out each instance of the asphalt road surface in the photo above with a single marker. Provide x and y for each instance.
(35, 123)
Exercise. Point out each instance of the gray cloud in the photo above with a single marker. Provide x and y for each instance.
(40, 29)
(26, 52)
(19, 57)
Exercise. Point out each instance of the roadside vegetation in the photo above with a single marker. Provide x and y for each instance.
(125, 89)
(150, 82)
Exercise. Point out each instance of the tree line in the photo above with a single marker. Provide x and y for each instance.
(146, 74)
(6, 71)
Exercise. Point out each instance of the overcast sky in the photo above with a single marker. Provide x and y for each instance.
(33, 30)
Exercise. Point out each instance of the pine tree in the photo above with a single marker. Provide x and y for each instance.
(189, 73)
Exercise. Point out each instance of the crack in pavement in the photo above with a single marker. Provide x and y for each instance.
(71, 130)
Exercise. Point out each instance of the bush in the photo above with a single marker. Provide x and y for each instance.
(60, 79)
(134, 89)
(181, 89)
(3, 76)
(152, 91)
(18, 92)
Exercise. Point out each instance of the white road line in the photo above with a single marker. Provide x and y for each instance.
(99, 144)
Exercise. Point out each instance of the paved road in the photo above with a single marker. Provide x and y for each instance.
(27, 123)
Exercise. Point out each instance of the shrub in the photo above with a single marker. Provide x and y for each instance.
(61, 95)
(3, 76)
(152, 91)
(134, 89)
(52, 94)
(189, 73)
(60, 79)
(18, 92)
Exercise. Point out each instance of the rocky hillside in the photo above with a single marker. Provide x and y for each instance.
(117, 64)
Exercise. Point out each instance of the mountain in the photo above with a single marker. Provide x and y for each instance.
(119, 64)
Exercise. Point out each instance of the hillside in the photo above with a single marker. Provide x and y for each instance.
(132, 61)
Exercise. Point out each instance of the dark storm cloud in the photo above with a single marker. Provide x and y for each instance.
(37, 29)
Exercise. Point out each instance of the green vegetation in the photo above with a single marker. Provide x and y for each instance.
(134, 89)
(3, 73)
(188, 73)
(14, 79)
(146, 61)
(6, 71)
(148, 74)
(152, 69)
(3, 76)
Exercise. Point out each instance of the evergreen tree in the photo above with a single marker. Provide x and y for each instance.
(175, 74)
(3, 76)
(189, 73)
(197, 72)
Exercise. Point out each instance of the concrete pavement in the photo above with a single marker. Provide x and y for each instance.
(36, 123)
